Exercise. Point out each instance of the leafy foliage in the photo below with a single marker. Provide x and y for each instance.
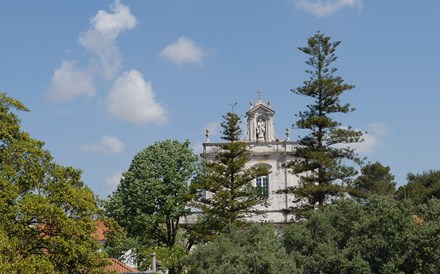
(225, 191)
(421, 187)
(382, 236)
(254, 249)
(426, 254)
(167, 256)
(374, 179)
(118, 244)
(323, 154)
(154, 194)
(47, 214)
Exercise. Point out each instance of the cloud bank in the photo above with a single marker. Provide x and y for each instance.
(184, 51)
(131, 98)
(321, 8)
(71, 80)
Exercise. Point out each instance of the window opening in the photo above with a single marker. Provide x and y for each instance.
(263, 186)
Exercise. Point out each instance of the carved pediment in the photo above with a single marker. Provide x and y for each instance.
(260, 123)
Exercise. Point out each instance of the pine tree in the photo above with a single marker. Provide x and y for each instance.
(225, 192)
(323, 156)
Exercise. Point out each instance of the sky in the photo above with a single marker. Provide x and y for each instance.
(106, 79)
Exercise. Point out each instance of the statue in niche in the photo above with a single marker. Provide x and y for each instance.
(261, 130)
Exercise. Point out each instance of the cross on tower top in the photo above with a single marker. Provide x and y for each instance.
(259, 91)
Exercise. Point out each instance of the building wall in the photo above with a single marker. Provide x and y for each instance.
(274, 155)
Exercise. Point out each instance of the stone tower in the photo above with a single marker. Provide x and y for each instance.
(265, 149)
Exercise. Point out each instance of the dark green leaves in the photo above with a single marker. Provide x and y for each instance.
(374, 179)
(254, 249)
(347, 237)
(421, 187)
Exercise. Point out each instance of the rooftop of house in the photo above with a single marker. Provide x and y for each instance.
(101, 229)
(120, 267)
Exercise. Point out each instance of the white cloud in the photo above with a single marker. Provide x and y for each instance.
(69, 81)
(321, 8)
(369, 145)
(110, 24)
(113, 144)
(183, 51)
(72, 80)
(372, 139)
(112, 182)
(132, 99)
(108, 144)
(101, 37)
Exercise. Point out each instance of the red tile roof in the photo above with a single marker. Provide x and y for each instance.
(101, 229)
(120, 267)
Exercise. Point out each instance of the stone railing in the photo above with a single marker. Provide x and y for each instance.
(254, 147)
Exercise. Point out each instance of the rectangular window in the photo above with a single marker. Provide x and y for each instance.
(263, 186)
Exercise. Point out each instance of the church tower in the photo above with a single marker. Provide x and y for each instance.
(266, 149)
(260, 123)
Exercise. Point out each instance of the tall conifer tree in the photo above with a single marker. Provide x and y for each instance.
(225, 191)
(323, 154)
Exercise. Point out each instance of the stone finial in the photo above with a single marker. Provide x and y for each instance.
(207, 136)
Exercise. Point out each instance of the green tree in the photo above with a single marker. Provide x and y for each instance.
(421, 187)
(255, 249)
(323, 156)
(153, 195)
(47, 214)
(225, 192)
(347, 237)
(426, 254)
(374, 179)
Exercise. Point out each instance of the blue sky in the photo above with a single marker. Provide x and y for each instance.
(105, 79)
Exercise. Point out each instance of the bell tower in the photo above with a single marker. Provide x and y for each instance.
(260, 122)
(265, 149)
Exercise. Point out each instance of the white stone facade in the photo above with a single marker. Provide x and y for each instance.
(265, 149)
